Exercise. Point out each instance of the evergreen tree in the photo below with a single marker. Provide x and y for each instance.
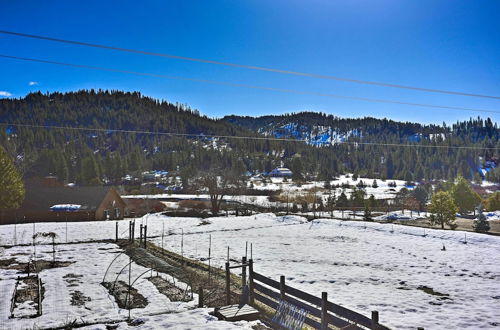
(389, 167)
(481, 225)
(358, 197)
(421, 194)
(465, 198)
(11, 184)
(342, 201)
(297, 169)
(367, 215)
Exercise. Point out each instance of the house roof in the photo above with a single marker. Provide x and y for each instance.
(281, 169)
(39, 198)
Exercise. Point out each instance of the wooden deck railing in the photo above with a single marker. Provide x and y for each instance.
(321, 312)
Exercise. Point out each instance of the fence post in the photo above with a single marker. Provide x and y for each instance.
(228, 284)
(40, 310)
(130, 231)
(140, 235)
(324, 310)
(244, 272)
(200, 296)
(282, 287)
(133, 231)
(375, 324)
(250, 280)
(145, 235)
(116, 239)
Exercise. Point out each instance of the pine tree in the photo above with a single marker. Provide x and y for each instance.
(11, 184)
(481, 225)
(297, 169)
(421, 195)
(389, 167)
(367, 215)
(463, 195)
(342, 201)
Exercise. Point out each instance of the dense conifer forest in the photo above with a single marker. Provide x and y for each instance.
(103, 156)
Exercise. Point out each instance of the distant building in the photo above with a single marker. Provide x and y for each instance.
(257, 178)
(280, 172)
(137, 207)
(53, 204)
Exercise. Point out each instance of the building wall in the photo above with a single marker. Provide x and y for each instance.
(112, 204)
(19, 216)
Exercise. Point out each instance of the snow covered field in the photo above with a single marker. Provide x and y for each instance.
(364, 266)
(75, 293)
(399, 274)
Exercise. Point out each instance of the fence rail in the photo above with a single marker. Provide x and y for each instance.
(321, 312)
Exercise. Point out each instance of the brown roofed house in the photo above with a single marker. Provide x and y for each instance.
(53, 204)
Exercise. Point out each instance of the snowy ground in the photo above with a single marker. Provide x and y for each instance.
(363, 266)
(369, 269)
(492, 216)
(84, 275)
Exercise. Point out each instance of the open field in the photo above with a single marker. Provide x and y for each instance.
(394, 269)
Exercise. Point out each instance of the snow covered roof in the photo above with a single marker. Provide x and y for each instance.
(281, 171)
(65, 207)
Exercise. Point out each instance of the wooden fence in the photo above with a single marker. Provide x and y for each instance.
(321, 311)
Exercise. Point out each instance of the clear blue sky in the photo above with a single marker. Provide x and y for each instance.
(441, 44)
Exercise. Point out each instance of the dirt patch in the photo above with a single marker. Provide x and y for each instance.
(27, 294)
(79, 299)
(4, 263)
(204, 223)
(169, 289)
(120, 292)
(72, 279)
(430, 291)
(35, 266)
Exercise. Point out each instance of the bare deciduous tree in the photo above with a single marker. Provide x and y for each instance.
(219, 184)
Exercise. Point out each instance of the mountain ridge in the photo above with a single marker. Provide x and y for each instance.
(108, 155)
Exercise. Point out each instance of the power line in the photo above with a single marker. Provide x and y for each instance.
(201, 135)
(251, 67)
(273, 89)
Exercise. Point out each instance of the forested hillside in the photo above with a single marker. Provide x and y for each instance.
(105, 156)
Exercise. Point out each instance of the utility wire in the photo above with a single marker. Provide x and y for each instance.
(215, 82)
(251, 67)
(201, 135)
